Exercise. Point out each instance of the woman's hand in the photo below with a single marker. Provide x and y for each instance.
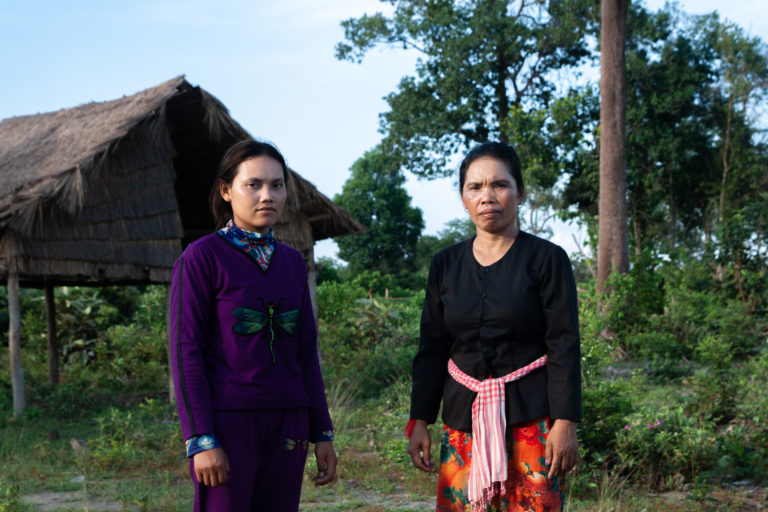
(419, 447)
(211, 467)
(326, 462)
(562, 451)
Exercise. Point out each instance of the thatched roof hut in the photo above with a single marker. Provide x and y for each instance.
(110, 192)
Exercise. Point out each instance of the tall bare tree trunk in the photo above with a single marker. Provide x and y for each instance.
(726, 166)
(14, 342)
(672, 215)
(612, 247)
(53, 341)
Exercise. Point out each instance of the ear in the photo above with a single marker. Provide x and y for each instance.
(521, 198)
(225, 191)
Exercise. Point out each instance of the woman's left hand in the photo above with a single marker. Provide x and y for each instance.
(326, 462)
(562, 451)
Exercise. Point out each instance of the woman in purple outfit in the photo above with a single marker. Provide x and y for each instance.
(243, 347)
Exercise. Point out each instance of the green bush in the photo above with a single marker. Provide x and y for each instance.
(606, 406)
(596, 350)
(368, 342)
(10, 496)
(742, 454)
(752, 405)
(126, 437)
(334, 300)
(663, 447)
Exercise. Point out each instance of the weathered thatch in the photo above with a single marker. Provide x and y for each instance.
(111, 192)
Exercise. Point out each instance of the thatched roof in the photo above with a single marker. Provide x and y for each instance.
(110, 192)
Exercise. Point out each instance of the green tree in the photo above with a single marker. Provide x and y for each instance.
(480, 60)
(453, 232)
(679, 115)
(375, 196)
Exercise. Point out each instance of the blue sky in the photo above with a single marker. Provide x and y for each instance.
(271, 63)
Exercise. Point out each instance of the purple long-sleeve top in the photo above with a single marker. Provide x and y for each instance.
(223, 313)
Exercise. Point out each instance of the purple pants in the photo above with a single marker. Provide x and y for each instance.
(267, 450)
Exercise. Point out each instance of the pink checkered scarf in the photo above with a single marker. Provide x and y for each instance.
(489, 424)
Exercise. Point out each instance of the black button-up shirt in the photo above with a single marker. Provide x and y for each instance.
(493, 320)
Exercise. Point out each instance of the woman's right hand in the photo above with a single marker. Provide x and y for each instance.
(419, 447)
(211, 467)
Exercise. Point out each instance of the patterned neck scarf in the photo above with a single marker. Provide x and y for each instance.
(257, 246)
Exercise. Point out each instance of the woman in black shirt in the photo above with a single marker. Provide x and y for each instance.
(500, 346)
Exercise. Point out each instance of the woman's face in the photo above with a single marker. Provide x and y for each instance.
(257, 194)
(491, 197)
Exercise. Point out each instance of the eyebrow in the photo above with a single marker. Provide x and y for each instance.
(494, 182)
(261, 180)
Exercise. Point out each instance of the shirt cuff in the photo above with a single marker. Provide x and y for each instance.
(408, 431)
(320, 437)
(201, 443)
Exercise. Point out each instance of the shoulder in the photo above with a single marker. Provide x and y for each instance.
(546, 259)
(451, 254)
(200, 258)
(287, 253)
(540, 247)
(447, 261)
(202, 248)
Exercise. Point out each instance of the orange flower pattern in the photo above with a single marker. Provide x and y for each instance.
(528, 488)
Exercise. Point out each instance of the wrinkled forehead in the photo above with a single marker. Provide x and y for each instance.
(488, 169)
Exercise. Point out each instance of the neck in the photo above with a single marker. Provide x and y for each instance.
(495, 240)
(253, 230)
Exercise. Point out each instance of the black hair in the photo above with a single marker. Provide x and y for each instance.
(499, 151)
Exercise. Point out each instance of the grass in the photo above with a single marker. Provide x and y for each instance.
(135, 457)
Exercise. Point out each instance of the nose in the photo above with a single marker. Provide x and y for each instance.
(266, 195)
(487, 195)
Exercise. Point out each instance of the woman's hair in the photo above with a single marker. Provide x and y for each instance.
(237, 154)
(499, 151)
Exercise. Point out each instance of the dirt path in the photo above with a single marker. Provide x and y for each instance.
(362, 499)
(359, 499)
(47, 501)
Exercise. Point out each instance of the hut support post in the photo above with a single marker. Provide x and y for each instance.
(309, 258)
(14, 343)
(171, 385)
(312, 281)
(53, 341)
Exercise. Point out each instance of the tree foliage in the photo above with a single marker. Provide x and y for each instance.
(375, 196)
(696, 159)
(479, 61)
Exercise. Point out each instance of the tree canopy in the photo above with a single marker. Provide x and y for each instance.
(695, 156)
(375, 196)
(479, 61)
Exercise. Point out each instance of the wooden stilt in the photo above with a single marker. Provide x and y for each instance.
(53, 341)
(14, 343)
(312, 280)
(171, 386)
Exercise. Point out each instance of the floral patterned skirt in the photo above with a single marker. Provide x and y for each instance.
(527, 489)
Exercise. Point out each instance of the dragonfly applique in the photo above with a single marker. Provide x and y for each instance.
(253, 321)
